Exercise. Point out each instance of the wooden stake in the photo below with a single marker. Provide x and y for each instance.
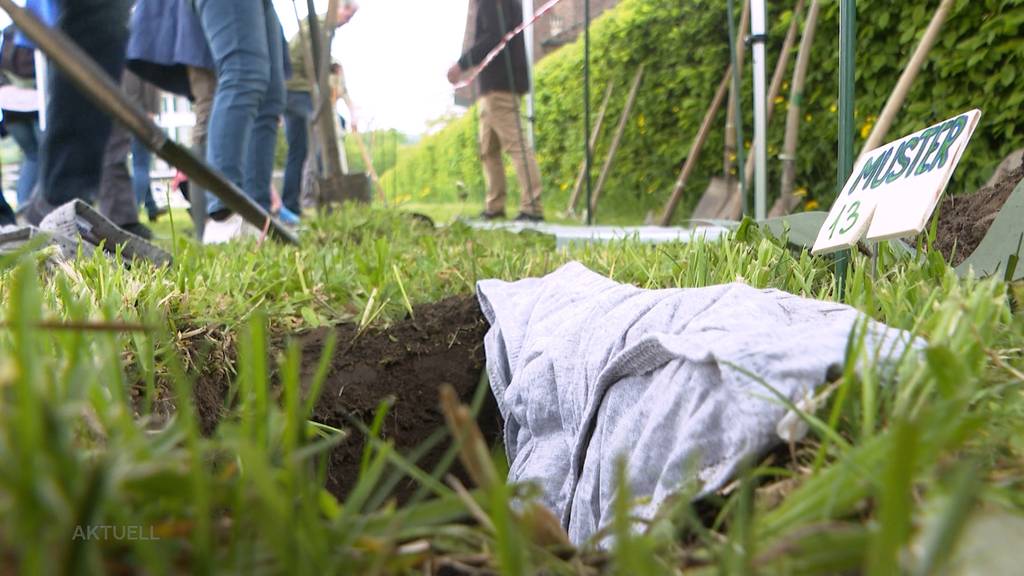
(594, 135)
(899, 94)
(695, 149)
(734, 206)
(787, 201)
(369, 167)
(620, 131)
(730, 119)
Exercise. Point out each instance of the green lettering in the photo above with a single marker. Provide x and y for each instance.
(926, 137)
(872, 166)
(903, 159)
(958, 126)
(925, 166)
(879, 177)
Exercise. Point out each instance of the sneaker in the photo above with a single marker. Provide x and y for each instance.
(527, 217)
(288, 217)
(222, 231)
(485, 215)
(156, 214)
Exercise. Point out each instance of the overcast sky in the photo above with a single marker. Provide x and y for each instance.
(395, 54)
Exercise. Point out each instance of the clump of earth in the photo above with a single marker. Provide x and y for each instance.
(964, 220)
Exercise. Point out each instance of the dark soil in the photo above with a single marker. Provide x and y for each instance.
(407, 362)
(964, 220)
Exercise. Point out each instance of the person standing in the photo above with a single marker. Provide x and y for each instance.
(72, 147)
(19, 102)
(167, 48)
(502, 83)
(244, 37)
(299, 108)
(119, 196)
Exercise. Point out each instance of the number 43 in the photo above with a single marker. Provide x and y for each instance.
(852, 213)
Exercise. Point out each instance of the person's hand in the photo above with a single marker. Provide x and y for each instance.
(454, 74)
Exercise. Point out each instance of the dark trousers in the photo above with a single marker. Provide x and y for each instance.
(71, 152)
(297, 112)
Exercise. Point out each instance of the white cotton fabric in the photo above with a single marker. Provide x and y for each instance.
(586, 370)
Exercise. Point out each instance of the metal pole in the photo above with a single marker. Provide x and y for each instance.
(530, 97)
(847, 81)
(758, 16)
(736, 103)
(588, 151)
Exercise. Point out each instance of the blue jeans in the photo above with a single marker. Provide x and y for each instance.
(24, 128)
(245, 39)
(71, 151)
(296, 127)
(142, 161)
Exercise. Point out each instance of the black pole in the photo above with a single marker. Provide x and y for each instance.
(587, 151)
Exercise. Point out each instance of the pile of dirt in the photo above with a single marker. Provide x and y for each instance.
(964, 220)
(441, 344)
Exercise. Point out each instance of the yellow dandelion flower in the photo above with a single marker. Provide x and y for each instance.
(811, 205)
(865, 130)
(834, 108)
(800, 192)
(779, 99)
(809, 117)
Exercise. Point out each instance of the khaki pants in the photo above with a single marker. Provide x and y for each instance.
(500, 131)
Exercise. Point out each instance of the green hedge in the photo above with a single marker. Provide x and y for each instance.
(684, 47)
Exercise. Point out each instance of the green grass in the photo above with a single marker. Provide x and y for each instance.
(891, 478)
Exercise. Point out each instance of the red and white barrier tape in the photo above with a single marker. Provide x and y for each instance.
(504, 42)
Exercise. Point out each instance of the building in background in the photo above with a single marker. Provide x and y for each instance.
(176, 118)
(563, 24)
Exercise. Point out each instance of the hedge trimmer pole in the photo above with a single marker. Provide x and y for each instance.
(847, 82)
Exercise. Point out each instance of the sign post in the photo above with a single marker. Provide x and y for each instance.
(847, 83)
(894, 189)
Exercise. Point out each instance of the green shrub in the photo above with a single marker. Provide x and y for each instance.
(684, 47)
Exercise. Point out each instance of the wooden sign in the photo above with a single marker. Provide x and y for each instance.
(894, 189)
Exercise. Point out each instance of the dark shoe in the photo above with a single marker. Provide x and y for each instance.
(139, 229)
(485, 215)
(155, 215)
(526, 217)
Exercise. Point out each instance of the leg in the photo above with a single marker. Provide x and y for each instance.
(236, 33)
(296, 127)
(116, 199)
(142, 162)
(508, 125)
(203, 84)
(490, 155)
(25, 131)
(260, 156)
(71, 155)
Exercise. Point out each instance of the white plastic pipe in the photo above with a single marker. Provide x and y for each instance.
(41, 91)
(758, 18)
(528, 39)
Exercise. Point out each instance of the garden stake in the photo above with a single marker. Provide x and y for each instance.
(847, 85)
(732, 209)
(899, 94)
(588, 151)
(787, 201)
(695, 149)
(733, 131)
(594, 135)
(617, 140)
(94, 82)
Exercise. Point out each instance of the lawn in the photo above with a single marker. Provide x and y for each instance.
(182, 407)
